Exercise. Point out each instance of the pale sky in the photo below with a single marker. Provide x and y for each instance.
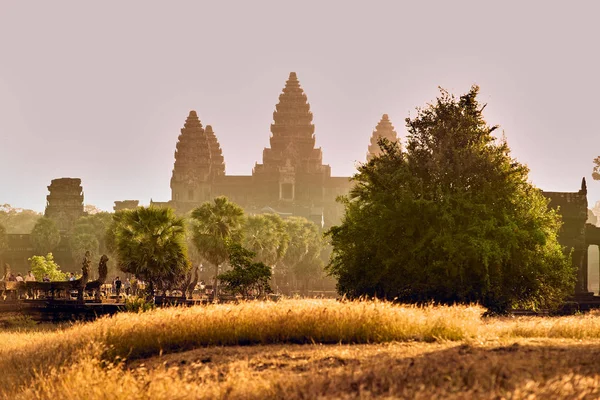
(99, 90)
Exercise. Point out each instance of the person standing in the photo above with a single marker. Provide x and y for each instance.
(29, 277)
(127, 287)
(118, 284)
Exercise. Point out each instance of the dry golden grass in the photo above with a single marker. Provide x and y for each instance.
(354, 349)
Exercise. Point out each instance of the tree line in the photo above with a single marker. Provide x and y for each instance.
(161, 248)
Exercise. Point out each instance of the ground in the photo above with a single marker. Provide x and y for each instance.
(404, 352)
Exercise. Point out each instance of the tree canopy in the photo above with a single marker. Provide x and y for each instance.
(452, 218)
(45, 266)
(150, 243)
(246, 277)
(214, 225)
(45, 236)
(18, 220)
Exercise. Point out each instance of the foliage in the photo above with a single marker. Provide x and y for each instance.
(18, 220)
(136, 304)
(452, 219)
(45, 235)
(89, 234)
(45, 266)
(150, 243)
(214, 225)
(302, 259)
(265, 235)
(246, 277)
(3, 239)
(596, 171)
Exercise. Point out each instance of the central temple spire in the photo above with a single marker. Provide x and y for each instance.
(293, 140)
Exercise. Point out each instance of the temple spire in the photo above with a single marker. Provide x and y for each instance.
(292, 140)
(216, 154)
(384, 129)
(192, 159)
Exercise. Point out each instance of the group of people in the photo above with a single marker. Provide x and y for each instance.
(10, 277)
(128, 286)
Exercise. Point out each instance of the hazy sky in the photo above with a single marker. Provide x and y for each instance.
(99, 90)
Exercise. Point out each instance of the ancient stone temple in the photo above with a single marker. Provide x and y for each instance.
(291, 180)
(126, 205)
(65, 202)
(385, 130)
(576, 233)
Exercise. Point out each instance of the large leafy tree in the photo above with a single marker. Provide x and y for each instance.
(150, 243)
(215, 225)
(45, 236)
(246, 277)
(452, 218)
(302, 259)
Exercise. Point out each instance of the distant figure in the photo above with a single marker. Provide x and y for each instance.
(134, 286)
(118, 286)
(46, 278)
(29, 277)
(71, 277)
(127, 286)
(11, 278)
(7, 273)
(19, 278)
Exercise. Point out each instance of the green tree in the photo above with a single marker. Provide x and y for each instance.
(89, 234)
(451, 219)
(214, 225)
(3, 239)
(42, 266)
(265, 235)
(150, 243)
(246, 277)
(45, 236)
(18, 220)
(302, 259)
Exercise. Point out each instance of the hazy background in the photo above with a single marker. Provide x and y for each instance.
(100, 90)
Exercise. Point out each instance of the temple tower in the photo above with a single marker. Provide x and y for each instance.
(292, 172)
(384, 129)
(65, 202)
(216, 154)
(191, 179)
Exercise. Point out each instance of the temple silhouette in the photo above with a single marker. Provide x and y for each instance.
(291, 181)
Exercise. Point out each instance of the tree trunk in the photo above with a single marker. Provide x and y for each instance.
(215, 286)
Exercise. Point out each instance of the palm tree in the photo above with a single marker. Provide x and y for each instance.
(150, 243)
(266, 236)
(214, 226)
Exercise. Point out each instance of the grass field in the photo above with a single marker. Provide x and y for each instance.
(305, 349)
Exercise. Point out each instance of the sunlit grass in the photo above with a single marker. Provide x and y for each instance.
(57, 358)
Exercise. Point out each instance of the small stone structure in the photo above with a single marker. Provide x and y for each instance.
(126, 205)
(65, 202)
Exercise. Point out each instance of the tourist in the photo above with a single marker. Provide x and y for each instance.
(12, 278)
(118, 286)
(134, 286)
(19, 278)
(71, 277)
(30, 277)
(46, 278)
(127, 286)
